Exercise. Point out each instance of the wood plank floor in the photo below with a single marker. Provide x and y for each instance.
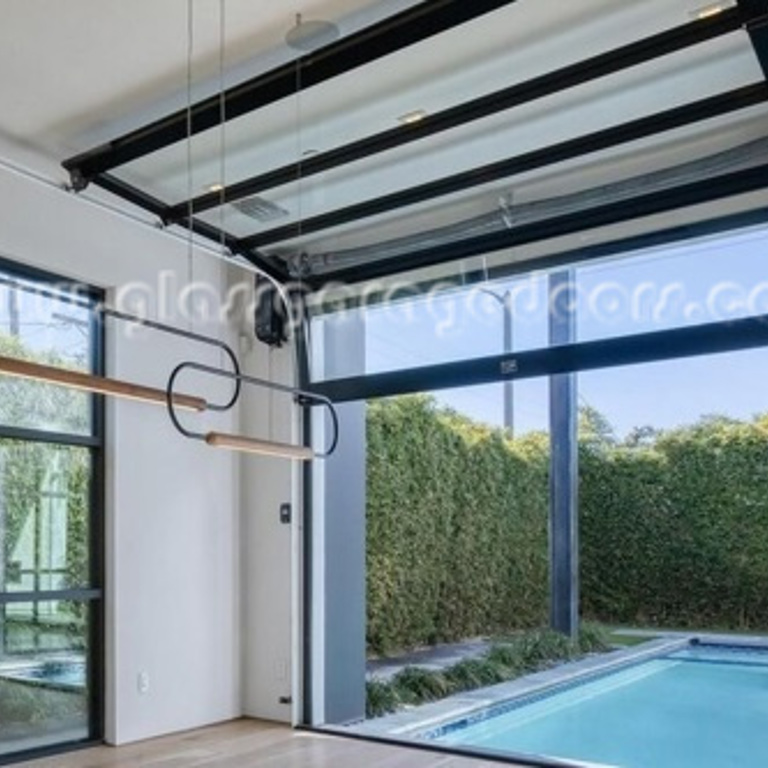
(253, 744)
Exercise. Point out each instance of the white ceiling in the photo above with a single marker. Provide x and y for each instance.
(75, 73)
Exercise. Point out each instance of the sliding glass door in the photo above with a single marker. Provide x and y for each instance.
(50, 531)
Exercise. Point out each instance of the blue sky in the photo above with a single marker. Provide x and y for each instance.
(46, 324)
(704, 281)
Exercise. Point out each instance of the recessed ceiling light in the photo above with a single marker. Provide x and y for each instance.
(708, 11)
(409, 118)
(215, 187)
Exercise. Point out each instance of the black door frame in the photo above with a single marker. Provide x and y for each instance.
(677, 343)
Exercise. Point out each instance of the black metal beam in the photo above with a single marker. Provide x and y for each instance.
(157, 207)
(410, 26)
(44, 596)
(564, 465)
(715, 188)
(563, 258)
(708, 338)
(625, 57)
(757, 28)
(53, 438)
(704, 109)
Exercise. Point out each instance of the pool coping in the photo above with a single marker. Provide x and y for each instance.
(416, 722)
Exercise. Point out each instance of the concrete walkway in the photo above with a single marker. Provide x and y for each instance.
(434, 659)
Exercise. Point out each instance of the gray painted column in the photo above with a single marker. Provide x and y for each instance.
(564, 478)
(344, 534)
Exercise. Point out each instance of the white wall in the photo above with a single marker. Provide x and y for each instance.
(269, 549)
(173, 588)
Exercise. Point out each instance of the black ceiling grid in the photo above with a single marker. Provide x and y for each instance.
(388, 36)
(402, 30)
(686, 195)
(551, 83)
(153, 205)
(695, 112)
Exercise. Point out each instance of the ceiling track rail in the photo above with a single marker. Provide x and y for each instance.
(688, 114)
(683, 196)
(402, 30)
(594, 68)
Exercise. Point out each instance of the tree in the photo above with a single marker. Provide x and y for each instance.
(595, 431)
(642, 437)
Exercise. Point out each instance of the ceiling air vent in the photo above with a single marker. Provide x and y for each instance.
(260, 209)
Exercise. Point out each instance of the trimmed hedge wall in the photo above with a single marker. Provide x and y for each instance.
(457, 535)
(674, 531)
(676, 534)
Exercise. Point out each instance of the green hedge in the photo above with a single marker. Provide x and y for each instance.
(674, 530)
(676, 534)
(457, 538)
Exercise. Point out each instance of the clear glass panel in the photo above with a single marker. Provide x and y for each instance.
(443, 326)
(44, 516)
(495, 51)
(703, 281)
(52, 332)
(456, 497)
(44, 690)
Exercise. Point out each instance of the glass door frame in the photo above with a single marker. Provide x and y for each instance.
(649, 347)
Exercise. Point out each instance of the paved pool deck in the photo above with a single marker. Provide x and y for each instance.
(410, 722)
(433, 659)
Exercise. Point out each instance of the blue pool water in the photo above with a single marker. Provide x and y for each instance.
(704, 707)
(63, 675)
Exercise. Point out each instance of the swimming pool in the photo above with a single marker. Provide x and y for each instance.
(64, 675)
(705, 706)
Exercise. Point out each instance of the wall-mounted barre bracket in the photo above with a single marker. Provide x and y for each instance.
(243, 442)
(112, 386)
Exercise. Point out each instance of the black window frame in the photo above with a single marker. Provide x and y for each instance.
(93, 594)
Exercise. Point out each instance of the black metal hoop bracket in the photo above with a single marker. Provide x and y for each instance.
(302, 397)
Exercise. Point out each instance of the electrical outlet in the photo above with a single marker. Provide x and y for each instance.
(142, 683)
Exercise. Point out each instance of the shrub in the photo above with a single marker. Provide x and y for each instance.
(380, 699)
(447, 558)
(415, 685)
(504, 661)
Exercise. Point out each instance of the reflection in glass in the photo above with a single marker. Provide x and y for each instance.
(43, 674)
(43, 330)
(44, 513)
